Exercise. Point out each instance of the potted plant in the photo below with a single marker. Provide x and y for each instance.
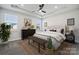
(4, 32)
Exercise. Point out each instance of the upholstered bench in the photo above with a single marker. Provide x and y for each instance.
(40, 42)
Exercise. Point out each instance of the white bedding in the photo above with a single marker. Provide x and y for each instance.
(57, 38)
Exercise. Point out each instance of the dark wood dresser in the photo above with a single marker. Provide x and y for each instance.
(25, 33)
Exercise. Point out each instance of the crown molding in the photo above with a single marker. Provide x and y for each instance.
(61, 12)
(32, 14)
(25, 12)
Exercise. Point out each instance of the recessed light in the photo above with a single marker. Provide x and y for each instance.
(55, 6)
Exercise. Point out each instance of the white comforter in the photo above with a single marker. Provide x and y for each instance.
(57, 38)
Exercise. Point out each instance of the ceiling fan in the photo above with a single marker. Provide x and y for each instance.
(40, 8)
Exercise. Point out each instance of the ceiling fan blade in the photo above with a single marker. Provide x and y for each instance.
(43, 11)
(41, 6)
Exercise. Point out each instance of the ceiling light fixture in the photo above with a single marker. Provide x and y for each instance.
(39, 11)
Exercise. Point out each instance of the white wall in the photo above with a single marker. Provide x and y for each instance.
(16, 35)
(61, 19)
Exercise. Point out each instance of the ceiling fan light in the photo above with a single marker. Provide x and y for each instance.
(39, 10)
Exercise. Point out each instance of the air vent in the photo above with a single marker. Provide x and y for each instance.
(16, 6)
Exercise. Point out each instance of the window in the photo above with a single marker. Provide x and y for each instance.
(11, 20)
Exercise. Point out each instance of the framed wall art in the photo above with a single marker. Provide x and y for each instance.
(71, 21)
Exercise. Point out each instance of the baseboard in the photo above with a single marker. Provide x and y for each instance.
(14, 39)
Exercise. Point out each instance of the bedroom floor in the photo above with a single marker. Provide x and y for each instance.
(21, 47)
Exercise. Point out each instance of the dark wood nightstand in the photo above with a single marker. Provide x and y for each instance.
(25, 33)
(70, 37)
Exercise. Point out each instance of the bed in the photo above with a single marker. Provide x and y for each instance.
(57, 38)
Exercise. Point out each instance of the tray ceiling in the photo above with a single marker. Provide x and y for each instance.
(33, 8)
